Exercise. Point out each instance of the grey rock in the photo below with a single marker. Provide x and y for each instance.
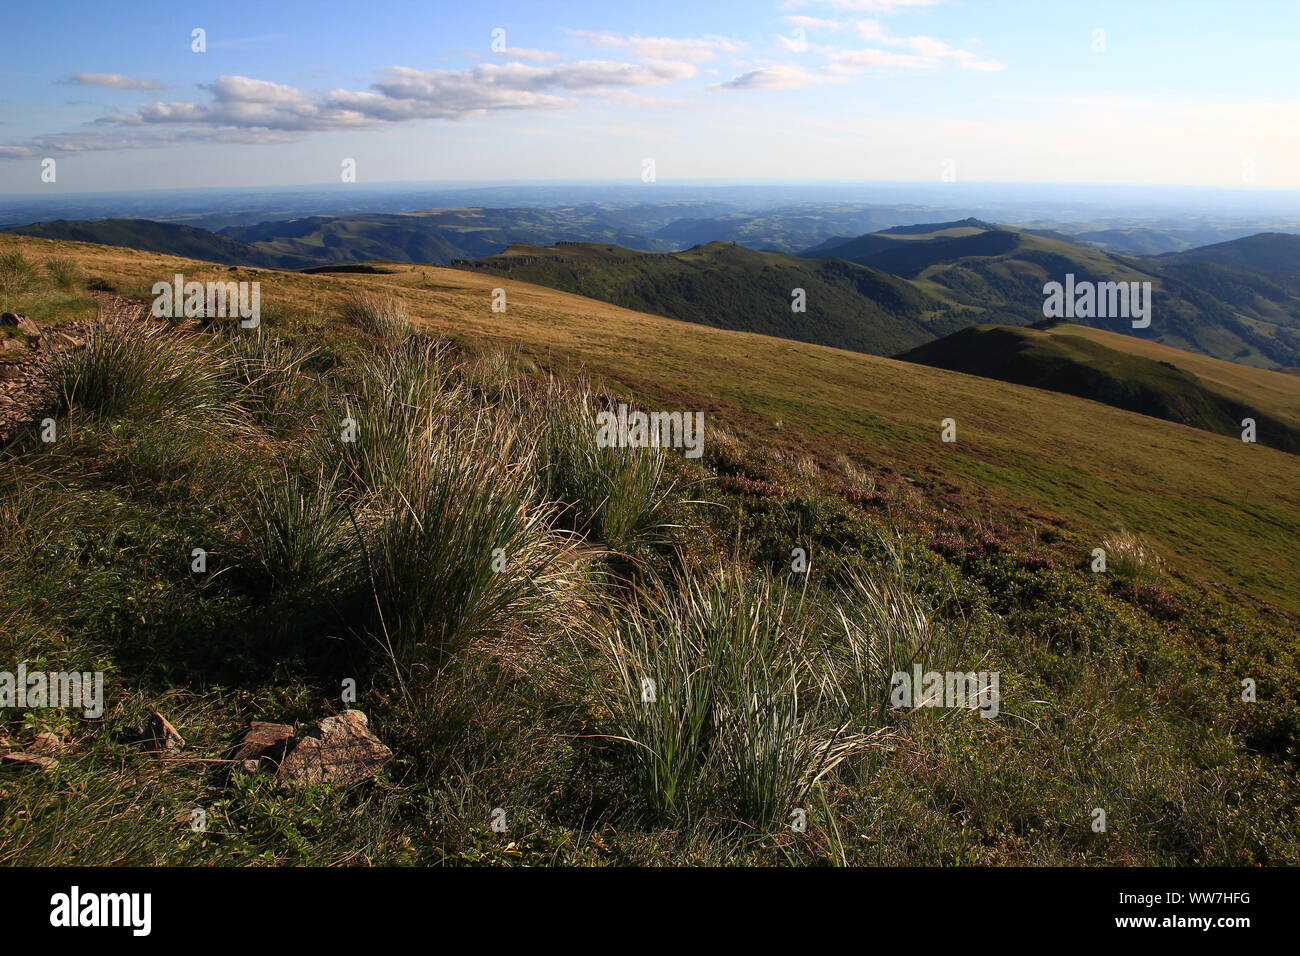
(30, 760)
(261, 742)
(338, 750)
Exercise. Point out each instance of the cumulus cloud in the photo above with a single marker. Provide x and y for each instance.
(113, 81)
(244, 109)
(690, 49)
(403, 93)
(924, 53)
(812, 23)
(779, 77)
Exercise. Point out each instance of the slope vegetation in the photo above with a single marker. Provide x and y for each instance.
(1228, 312)
(1216, 507)
(1128, 373)
(398, 490)
(727, 286)
(167, 238)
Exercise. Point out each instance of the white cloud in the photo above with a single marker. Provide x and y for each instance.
(692, 49)
(927, 53)
(779, 77)
(857, 61)
(871, 6)
(812, 23)
(113, 81)
(244, 109)
(871, 31)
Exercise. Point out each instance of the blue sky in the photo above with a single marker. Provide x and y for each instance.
(1191, 92)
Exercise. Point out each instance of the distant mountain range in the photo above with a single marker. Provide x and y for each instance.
(880, 292)
(1201, 304)
(165, 237)
(1275, 254)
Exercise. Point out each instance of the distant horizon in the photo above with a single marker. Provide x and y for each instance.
(684, 183)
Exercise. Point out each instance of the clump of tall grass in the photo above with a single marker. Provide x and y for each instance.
(462, 547)
(139, 369)
(273, 379)
(302, 534)
(805, 466)
(878, 626)
(380, 314)
(618, 496)
(490, 375)
(719, 686)
(1129, 556)
(63, 271)
(401, 400)
(455, 542)
(854, 475)
(16, 273)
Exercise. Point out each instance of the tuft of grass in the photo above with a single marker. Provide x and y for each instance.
(402, 398)
(272, 377)
(879, 626)
(138, 369)
(457, 545)
(618, 496)
(63, 271)
(1128, 556)
(717, 685)
(380, 314)
(16, 273)
(302, 536)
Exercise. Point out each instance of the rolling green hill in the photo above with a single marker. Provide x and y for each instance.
(438, 236)
(1216, 507)
(728, 286)
(1272, 253)
(1102, 366)
(166, 238)
(520, 685)
(1226, 312)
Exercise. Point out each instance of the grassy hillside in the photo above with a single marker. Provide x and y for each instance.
(1272, 253)
(436, 236)
(728, 286)
(1094, 466)
(1104, 367)
(168, 238)
(519, 688)
(1238, 315)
